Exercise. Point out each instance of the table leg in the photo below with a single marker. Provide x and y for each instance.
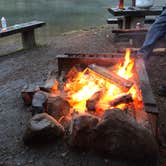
(130, 22)
(127, 22)
(28, 39)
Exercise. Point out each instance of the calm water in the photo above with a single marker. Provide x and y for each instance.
(60, 15)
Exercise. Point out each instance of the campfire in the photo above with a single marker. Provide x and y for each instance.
(97, 89)
(96, 106)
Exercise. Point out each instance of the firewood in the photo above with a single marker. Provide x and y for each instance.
(111, 77)
(57, 107)
(27, 93)
(124, 99)
(91, 103)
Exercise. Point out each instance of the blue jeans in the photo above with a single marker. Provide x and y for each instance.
(156, 31)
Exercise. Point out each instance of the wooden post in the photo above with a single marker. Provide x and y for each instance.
(28, 39)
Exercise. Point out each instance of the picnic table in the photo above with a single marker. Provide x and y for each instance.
(132, 15)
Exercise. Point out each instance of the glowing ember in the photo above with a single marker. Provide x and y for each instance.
(85, 84)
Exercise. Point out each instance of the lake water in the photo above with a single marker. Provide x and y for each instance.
(60, 15)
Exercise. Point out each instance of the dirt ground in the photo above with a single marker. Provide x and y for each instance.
(32, 67)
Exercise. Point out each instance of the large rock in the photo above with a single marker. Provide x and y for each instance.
(27, 93)
(82, 130)
(57, 107)
(42, 128)
(119, 135)
(39, 100)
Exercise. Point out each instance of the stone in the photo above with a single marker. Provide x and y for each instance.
(27, 93)
(39, 100)
(42, 128)
(82, 130)
(119, 135)
(57, 107)
(65, 122)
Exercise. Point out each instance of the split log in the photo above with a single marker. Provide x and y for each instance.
(82, 130)
(91, 103)
(57, 107)
(124, 99)
(111, 77)
(119, 135)
(42, 128)
(27, 93)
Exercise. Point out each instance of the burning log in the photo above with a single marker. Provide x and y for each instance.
(111, 77)
(91, 103)
(27, 93)
(42, 128)
(119, 135)
(124, 99)
(57, 107)
(82, 130)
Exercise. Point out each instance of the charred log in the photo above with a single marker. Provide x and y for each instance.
(91, 103)
(124, 99)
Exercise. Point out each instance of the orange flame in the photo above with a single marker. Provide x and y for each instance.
(126, 70)
(86, 84)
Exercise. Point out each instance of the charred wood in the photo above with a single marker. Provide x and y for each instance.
(91, 103)
(124, 99)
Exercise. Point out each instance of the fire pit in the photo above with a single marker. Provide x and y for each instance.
(132, 71)
(98, 97)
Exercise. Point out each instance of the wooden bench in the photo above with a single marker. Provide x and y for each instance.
(26, 30)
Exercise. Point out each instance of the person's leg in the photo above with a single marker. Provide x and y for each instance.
(157, 30)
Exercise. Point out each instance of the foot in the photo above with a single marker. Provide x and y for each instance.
(162, 90)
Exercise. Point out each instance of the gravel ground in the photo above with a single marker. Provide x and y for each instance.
(32, 67)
